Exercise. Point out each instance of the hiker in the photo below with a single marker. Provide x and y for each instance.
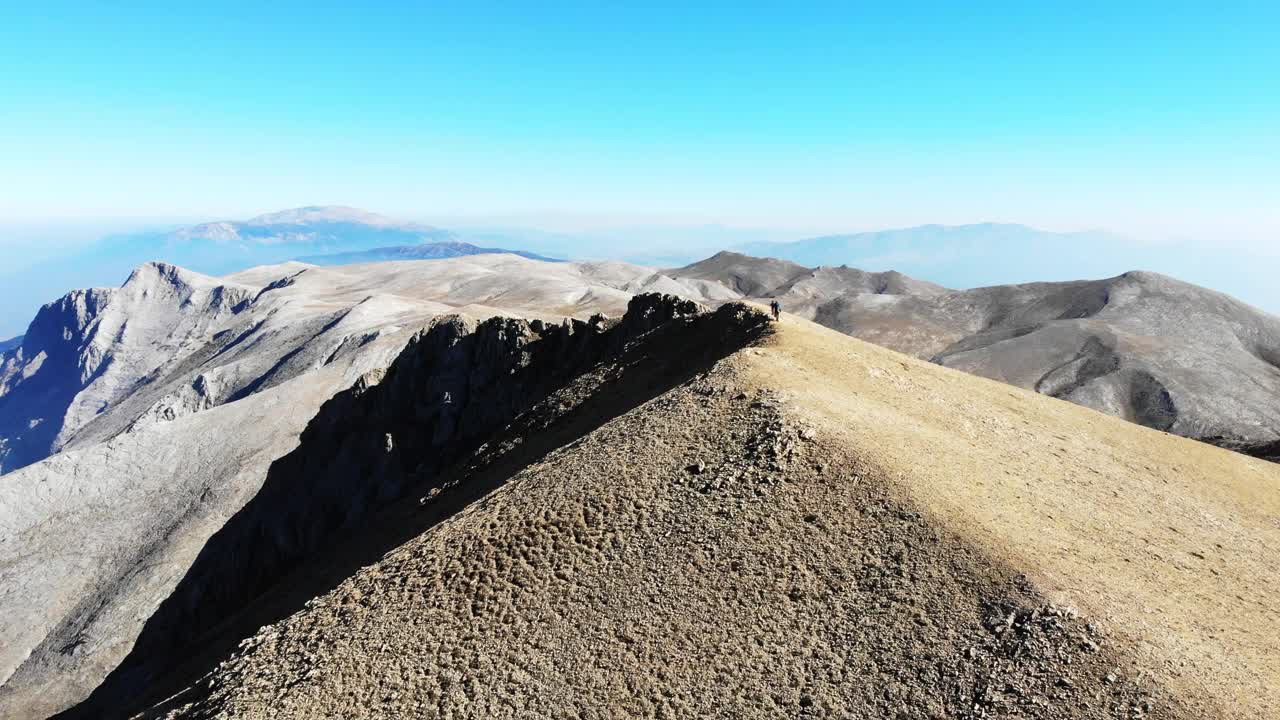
(776, 308)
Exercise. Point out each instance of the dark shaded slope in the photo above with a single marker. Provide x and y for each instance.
(450, 394)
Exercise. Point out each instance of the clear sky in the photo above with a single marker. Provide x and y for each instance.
(1158, 119)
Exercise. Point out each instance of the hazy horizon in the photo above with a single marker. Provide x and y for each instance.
(67, 258)
(653, 132)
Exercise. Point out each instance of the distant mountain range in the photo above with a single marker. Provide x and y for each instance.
(967, 255)
(1142, 346)
(221, 247)
(426, 251)
(961, 256)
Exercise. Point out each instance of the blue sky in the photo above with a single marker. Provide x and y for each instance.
(1157, 120)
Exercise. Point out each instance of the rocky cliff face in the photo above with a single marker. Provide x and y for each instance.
(88, 350)
(39, 378)
(451, 394)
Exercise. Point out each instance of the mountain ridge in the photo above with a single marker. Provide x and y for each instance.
(1141, 345)
(916, 538)
(180, 441)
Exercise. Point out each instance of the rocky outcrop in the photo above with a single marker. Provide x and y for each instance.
(170, 342)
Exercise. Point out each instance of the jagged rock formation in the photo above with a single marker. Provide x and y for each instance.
(810, 526)
(1142, 346)
(196, 385)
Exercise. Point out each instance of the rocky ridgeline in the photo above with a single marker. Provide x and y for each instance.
(716, 554)
(455, 387)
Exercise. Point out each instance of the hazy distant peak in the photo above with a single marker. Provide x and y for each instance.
(325, 214)
(333, 226)
(420, 251)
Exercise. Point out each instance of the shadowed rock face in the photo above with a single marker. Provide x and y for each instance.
(89, 349)
(1142, 346)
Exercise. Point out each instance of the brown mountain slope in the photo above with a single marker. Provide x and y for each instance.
(813, 527)
(1148, 348)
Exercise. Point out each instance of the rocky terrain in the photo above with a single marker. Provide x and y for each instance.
(474, 487)
(730, 519)
(1141, 346)
(165, 402)
(421, 251)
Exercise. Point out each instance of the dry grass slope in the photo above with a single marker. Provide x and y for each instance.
(1175, 544)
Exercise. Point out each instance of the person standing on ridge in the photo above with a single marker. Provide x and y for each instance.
(776, 308)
